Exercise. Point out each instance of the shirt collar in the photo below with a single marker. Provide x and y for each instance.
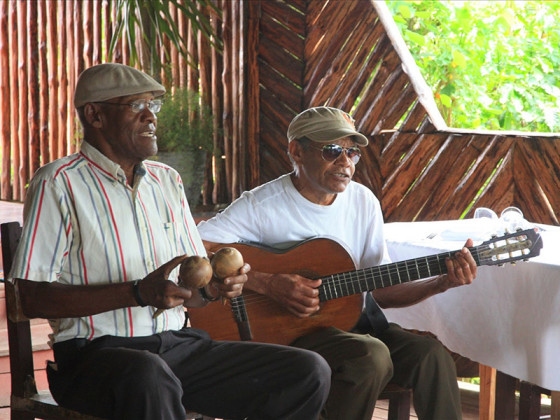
(108, 166)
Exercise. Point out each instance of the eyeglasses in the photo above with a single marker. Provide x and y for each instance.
(140, 105)
(331, 152)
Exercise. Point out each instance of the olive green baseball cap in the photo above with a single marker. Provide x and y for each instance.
(324, 124)
(113, 80)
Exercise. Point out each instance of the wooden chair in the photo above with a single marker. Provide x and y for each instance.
(25, 401)
(399, 401)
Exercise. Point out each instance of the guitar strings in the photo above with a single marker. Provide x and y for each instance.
(353, 282)
(362, 280)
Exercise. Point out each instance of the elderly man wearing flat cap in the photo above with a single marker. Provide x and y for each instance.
(104, 231)
(319, 199)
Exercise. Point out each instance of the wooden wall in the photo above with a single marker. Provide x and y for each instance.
(342, 54)
(279, 57)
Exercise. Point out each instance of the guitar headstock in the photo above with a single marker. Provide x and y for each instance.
(510, 247)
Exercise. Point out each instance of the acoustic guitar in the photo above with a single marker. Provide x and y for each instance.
(259, 318)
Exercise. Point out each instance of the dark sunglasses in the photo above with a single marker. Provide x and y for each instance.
(331, 152)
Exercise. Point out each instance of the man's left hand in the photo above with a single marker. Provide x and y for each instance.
(461, 268)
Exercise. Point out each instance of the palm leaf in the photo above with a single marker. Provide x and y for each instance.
(153, 21)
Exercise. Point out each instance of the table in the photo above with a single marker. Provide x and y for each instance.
(508, 318)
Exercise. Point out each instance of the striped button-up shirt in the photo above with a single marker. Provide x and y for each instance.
(84, 225)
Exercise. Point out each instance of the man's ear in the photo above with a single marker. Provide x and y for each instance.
(295, 150)
(92, 115)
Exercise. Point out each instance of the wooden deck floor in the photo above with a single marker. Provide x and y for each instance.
(469, 402)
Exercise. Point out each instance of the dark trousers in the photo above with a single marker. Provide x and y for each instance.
(156, 377)
(362, 365)
(422, 364)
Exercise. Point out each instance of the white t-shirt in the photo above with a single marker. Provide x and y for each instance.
(277, 215)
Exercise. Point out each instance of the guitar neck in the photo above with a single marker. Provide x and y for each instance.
(368, 279)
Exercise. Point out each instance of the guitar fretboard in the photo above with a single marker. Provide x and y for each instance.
(367, 279)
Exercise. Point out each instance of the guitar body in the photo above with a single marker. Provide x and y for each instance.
(269, 321)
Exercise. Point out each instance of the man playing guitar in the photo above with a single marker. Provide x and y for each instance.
(319, 198)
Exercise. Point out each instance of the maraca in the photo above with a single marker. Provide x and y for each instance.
(195, 272)
(226, 262)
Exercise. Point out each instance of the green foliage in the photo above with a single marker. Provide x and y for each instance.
(153, 20)
(184, 123)
(491, 64)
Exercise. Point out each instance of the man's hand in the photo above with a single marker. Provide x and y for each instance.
(157, 290)
(297, 294)
(461, 269)
(231, 286)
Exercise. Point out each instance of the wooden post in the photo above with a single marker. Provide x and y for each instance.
(23, 130)
(206, 93)
(44, 87)
(174, 52)
(253, 109)
(63, 82)
(182, 62)
(6, 110)
(52, 29)
(107, 13)
(227, 95)
(219, 192)
(97, 25)
(33, 140)
(487, 395)
(241, 98)
(235, 100)
(71, 68)
(505, 396)
(77, 36)
(90, 47)
(555, 405)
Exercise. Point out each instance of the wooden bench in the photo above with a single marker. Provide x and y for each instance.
(26, 402)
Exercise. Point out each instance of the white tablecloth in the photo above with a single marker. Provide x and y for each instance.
(509, 318)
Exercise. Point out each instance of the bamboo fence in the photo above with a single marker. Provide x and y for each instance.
(46, 44)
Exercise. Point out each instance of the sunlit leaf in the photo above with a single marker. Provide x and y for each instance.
(405, 12)
(445, 100)
(459, 59)
(448, 89)
(415, 37)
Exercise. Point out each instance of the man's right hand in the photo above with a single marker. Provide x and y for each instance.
(297, 294)
(158, 291)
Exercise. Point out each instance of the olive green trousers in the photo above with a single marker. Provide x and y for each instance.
(362, 366)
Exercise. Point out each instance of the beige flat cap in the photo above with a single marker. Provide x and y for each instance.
(113, 80)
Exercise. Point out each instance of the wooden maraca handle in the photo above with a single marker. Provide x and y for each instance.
(195, 272)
